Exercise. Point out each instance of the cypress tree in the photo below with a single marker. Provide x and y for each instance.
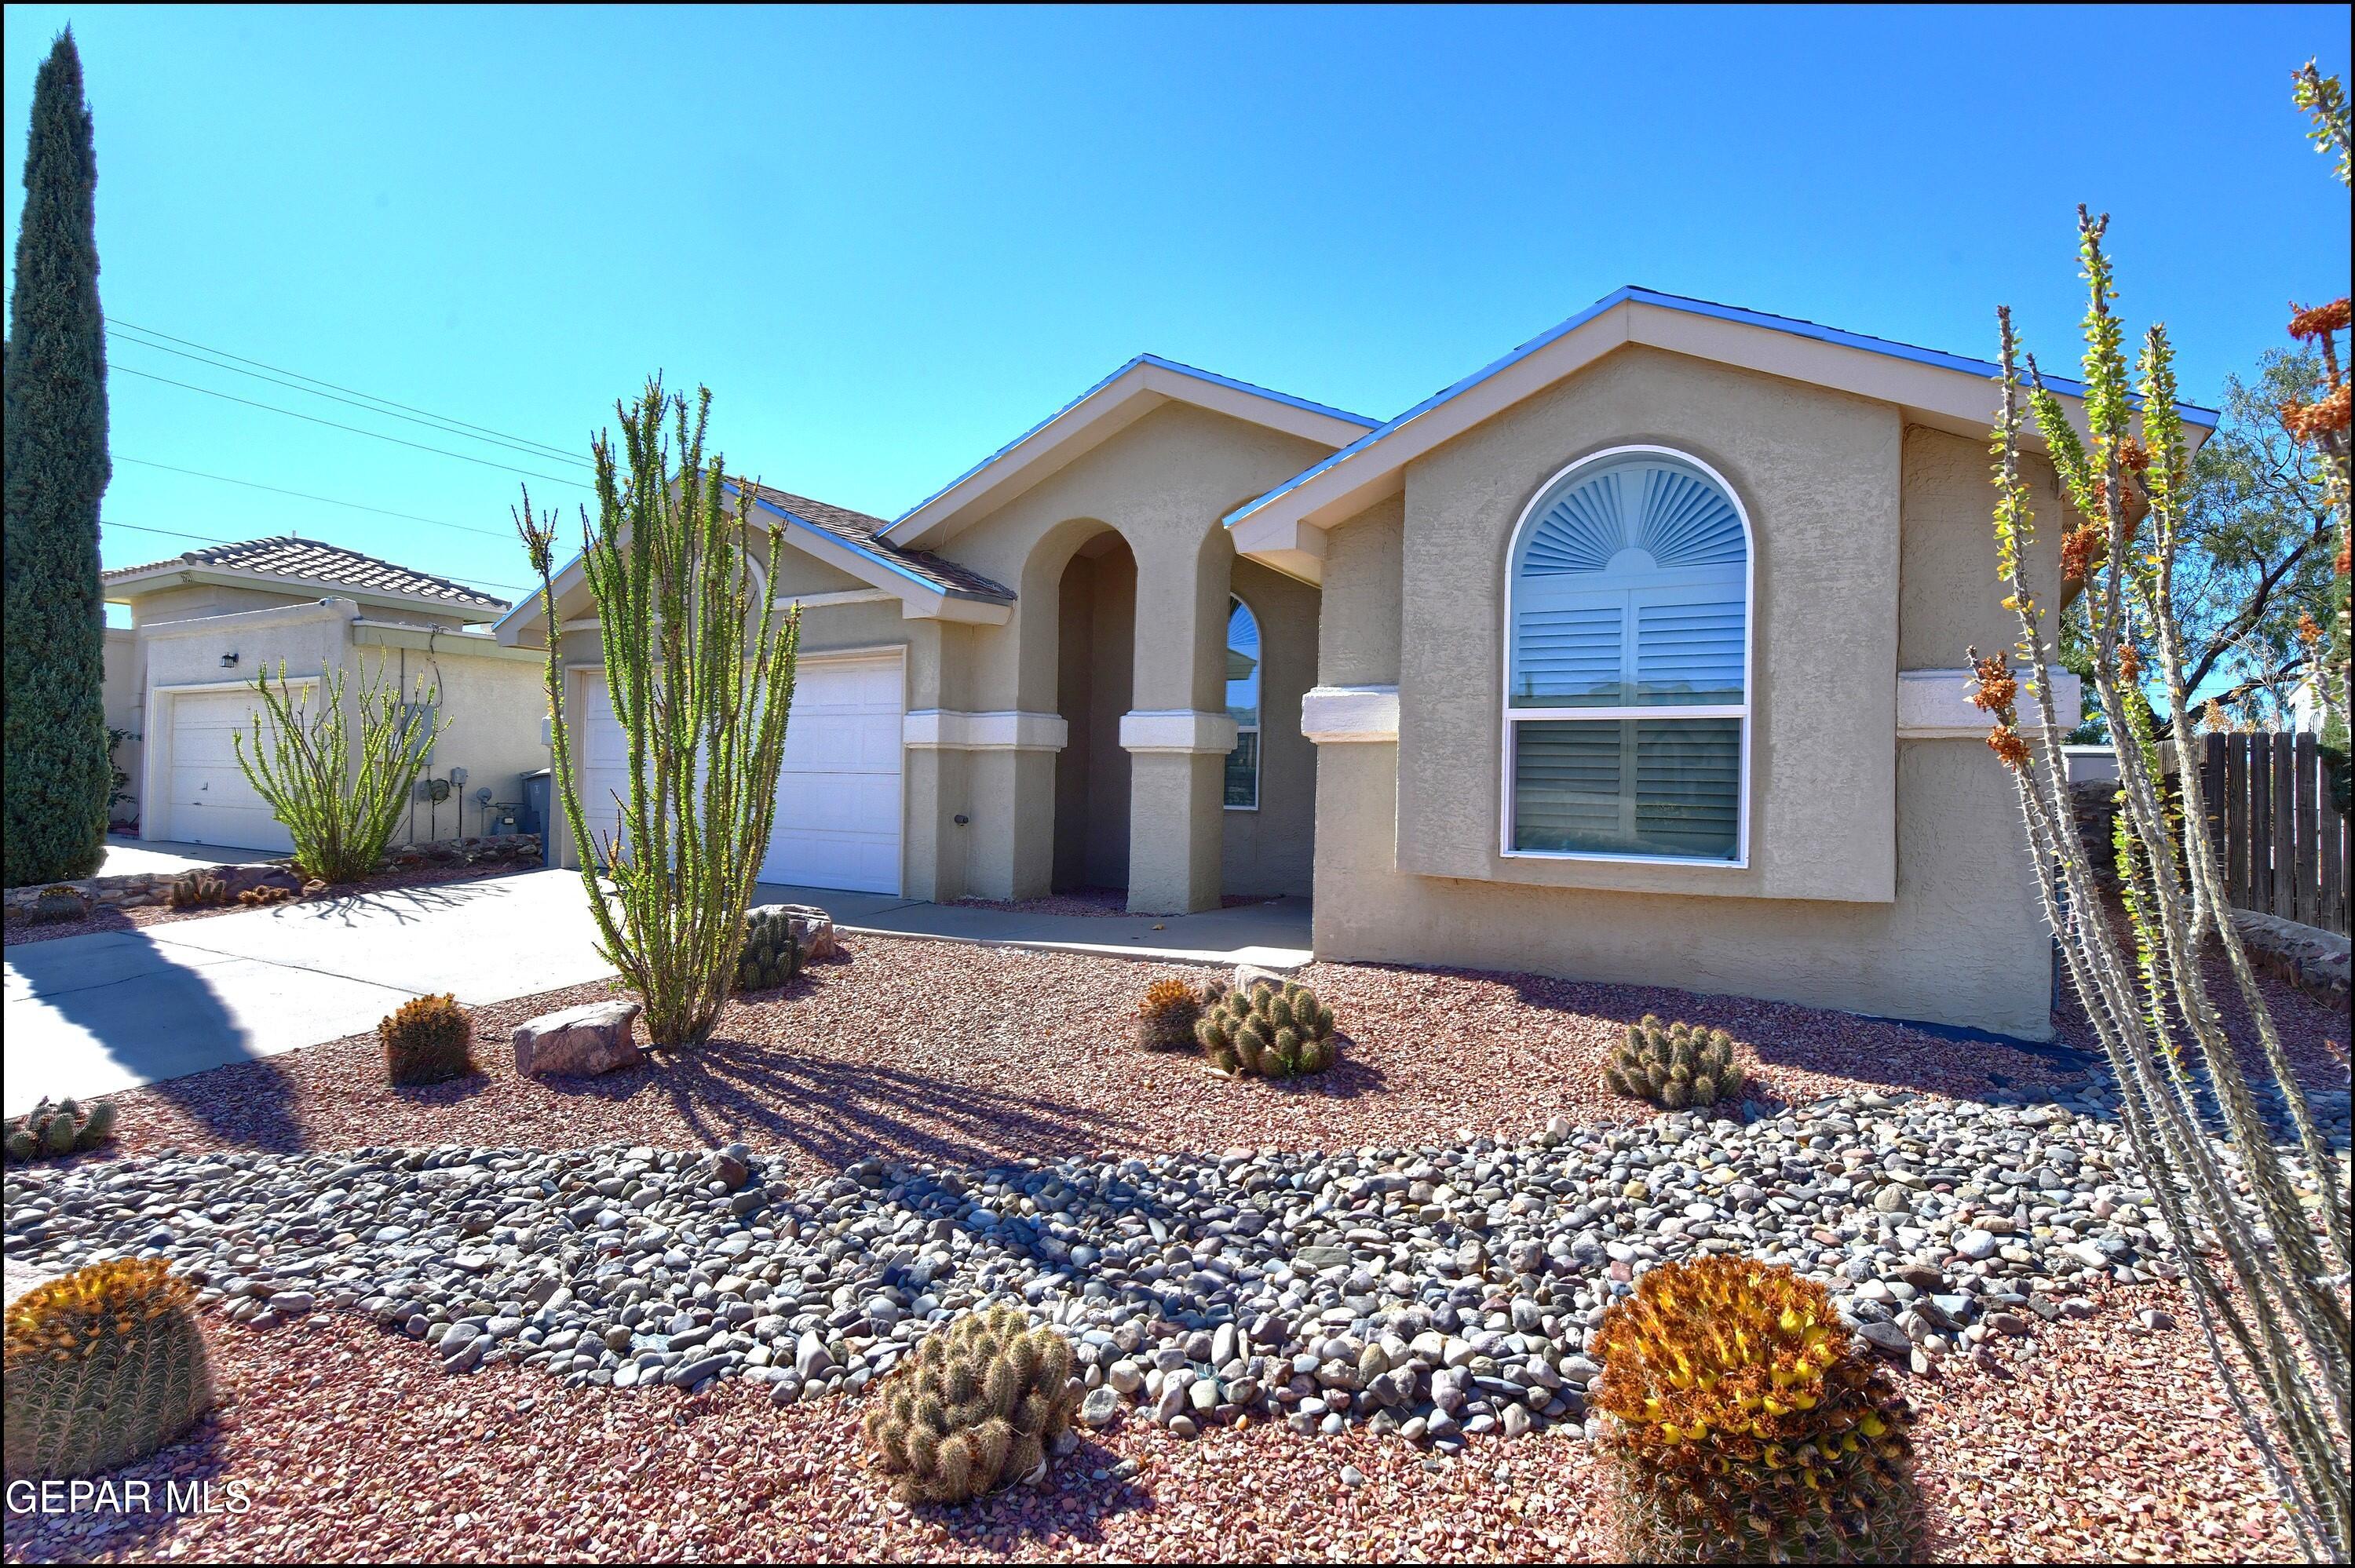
(57, 776)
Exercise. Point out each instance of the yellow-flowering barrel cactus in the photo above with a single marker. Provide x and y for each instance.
(1742, 1428)
(1275, 1031)
(1674, 1065)
(976, 1407)
(105, 1366)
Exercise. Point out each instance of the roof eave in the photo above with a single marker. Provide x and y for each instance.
(168, 573)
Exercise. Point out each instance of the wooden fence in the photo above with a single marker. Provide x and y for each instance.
(2281, 840)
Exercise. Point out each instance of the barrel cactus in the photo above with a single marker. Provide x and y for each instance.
(978, 1406)
(771, 956)
(105, 1366)
(1275, 1031)
(198, 890)
(428, 1040)
(1167, 1014)
(1742, 1427)
(64, 1127)
(1675, 1065)
(59, 902)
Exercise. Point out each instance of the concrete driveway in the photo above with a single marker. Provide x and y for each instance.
(90, 1015)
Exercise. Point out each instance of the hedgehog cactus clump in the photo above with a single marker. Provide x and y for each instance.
(198, 890)
(978, 1406)
(1276, 1032)
(65, 1126)
(59, 902)
(105, 1366)
(266, 895)
(1675, 1065)
(1167, 1014)
(428, 1040)
(1743, 1428)
(769, 957)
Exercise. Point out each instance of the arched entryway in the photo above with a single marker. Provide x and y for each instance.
(1094, 680)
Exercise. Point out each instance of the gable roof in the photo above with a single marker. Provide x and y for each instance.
(310, 564)
(863, 534)
(1129, 393)
(926, 583)
(1950, 391)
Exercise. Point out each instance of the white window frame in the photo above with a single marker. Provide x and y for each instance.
(1259, 750)
(1511, 716)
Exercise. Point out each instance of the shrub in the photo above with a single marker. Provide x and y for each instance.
(105, 1366)
(66, 1126)
(1276, 1032)
(1743, 1428)
(198, 890)
(1167, 1014)
(769, 957)
(338, 794)
(263, 897)
(976, 1408)
(59, 902)
(1675, 1065)
(429, 1040)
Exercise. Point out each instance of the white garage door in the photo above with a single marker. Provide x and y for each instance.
(209, 800)
(838, 790)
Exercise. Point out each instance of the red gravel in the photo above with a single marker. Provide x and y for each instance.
(346, 1443)
(21, 932)
(971, 1054)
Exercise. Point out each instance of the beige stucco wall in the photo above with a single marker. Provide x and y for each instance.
(1960, 943)
(1818, 473)
(1164, 483)
(1273, 849)
(493, 707)
(193, 600)
(1874, 555)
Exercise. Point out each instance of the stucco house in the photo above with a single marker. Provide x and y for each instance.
(205, 623)
(1637, 655)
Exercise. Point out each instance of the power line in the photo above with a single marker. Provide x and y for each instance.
(485, 429)
(209, 539)
(532, 449)
(327, 500)
(355, 430)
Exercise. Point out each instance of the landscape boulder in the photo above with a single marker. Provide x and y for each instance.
(812, 927)
(580, 1042)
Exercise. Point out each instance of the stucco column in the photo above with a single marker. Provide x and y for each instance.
(1179, 734)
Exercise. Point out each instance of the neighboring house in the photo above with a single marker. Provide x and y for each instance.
(206, 623)
(1636, 656)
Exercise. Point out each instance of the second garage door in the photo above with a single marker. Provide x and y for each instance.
(209, 800)
(838, 790)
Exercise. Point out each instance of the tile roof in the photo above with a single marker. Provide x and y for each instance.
(860, 532)
(309, 561)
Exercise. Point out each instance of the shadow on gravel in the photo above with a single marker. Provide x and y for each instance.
(1071, 1505)
(135, 1506)
(836, 1112)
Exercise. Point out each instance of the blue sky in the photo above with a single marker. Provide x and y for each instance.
(891, 241)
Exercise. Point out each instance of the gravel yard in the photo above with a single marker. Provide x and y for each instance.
(352, 1445)
(1359, 1330)
(968, 1054)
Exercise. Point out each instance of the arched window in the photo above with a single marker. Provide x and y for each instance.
(1243, 706)
(1627, 665)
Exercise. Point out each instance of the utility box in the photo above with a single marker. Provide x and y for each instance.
(537, 816)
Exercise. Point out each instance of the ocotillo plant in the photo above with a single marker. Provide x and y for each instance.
(2126, 482)
(700, 671)
(339, 803)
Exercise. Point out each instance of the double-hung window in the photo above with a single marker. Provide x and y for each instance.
(1628, 663)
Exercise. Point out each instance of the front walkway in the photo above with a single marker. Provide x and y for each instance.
(90, 1015)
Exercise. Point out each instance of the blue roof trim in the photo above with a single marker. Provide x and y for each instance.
(1159, 362)
(886, 562)
(2192, 413)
